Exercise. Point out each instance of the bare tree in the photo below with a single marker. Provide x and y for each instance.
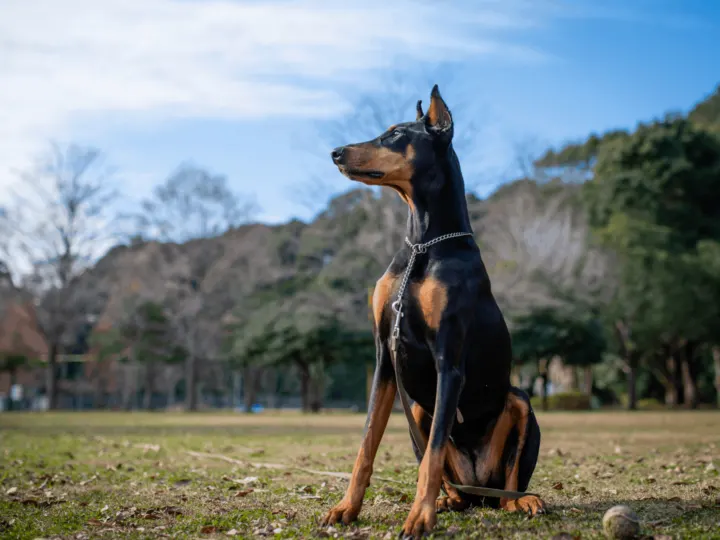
(535, 242)
(193, 204)
(60, 224)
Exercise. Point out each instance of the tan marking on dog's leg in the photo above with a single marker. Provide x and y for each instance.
(422, 517)
(529, 503)
(348, 509)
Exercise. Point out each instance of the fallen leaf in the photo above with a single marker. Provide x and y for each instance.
(11, 491)
(244, 492)
(208, 529)
(232, 532)
(182, 482)
(558, 486)
(565, 536)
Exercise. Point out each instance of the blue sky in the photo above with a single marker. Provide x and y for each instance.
(247, 89)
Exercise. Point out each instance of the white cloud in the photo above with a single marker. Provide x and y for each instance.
(77, 59)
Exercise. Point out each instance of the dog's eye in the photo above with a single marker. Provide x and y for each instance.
(394, 135)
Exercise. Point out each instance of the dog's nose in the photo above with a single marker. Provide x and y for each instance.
(337, 154)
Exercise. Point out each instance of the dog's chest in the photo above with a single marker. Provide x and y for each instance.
(423, 300)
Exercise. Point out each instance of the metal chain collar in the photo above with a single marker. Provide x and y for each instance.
(397, 304)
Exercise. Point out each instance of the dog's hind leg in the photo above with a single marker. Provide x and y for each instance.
(521, 454)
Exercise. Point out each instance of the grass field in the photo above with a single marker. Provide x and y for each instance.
(153, 475)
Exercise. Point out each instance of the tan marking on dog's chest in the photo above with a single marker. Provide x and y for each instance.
(432, 298)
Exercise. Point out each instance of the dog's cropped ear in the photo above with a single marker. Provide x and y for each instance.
(438, 118)
(418, 108)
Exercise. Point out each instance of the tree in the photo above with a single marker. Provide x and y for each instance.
(706, 114)
(193, 204)
(654, 201)
(307, 346)
(60, 224)
(147, 332)
(546, 332)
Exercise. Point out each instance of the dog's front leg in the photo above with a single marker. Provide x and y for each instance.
(381, 403)
(450, 381)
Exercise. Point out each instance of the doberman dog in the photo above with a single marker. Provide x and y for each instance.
(453, 353)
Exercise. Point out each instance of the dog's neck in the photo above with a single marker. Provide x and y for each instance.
(442, 210)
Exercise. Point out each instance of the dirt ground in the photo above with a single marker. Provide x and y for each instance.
(153, 475)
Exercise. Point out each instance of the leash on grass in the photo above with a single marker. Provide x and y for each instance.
(415, 433)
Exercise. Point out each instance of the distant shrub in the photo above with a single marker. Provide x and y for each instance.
(650, 404)
(564, 401)
(645, 404)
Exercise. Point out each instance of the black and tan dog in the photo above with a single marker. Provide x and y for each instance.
(453, 353)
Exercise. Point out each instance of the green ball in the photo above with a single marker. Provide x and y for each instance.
(621, 522)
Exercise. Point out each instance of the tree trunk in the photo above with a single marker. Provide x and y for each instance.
(672, 386)
(128, 386)
(236, 385)
(304, 387)
(573, 378)
(544, 379)
(250, 377)
(52, 377)
(632, 385)
(716, 365)
(191, 401)
(690, 393)
(147, 396)
(588, 380)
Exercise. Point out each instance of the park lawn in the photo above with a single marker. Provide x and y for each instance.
(209, 475)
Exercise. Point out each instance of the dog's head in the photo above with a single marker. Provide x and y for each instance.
(402, 156)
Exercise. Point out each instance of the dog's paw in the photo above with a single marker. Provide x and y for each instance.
(530, 504)
(444, 504)
(343, 512)
(420, 521)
